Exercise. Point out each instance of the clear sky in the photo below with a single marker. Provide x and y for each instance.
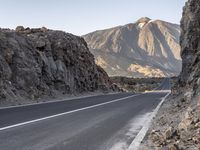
(83, 16)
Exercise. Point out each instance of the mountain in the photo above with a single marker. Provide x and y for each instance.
(42, 63)
(146, 48)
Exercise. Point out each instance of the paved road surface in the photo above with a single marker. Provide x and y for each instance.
(93, 123)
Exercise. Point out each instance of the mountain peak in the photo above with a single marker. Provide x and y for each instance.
(143, 20)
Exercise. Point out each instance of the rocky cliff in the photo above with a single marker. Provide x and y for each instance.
(39, 63)
(146, 48)
(190, 47)
(177, 126)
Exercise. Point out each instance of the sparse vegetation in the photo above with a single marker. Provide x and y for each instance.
(137, 84)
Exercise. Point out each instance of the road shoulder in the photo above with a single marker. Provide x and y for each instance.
(136, 143)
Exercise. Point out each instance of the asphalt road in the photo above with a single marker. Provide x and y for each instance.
(165, 85)
(93, 123)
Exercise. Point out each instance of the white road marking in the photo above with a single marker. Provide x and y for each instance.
(69, 112)
(140, 136)
(58, 100)
(160, 91)
(134, 126)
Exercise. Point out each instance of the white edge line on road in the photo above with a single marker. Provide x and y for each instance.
(69, 112)
(59, 100)
(158, 91)
(140, 136)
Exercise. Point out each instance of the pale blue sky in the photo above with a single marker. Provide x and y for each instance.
(83, 16)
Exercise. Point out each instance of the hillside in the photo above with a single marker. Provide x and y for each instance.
(42, 63)
(146, 48)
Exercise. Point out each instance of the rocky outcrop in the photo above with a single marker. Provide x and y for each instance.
(190, 46)
(177, 126)
(38, 63)
(146, 48)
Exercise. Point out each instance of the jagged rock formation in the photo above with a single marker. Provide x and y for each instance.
(146, 48)
(177, 126)
(190, 46)
(37, 63)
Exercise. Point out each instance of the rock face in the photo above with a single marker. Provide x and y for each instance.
(181, 112)
(190, 46)
(146, 48)
(36, 63)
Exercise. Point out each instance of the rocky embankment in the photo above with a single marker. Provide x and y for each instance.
(42, 63)
(177, 126)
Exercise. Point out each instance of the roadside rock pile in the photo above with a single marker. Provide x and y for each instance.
(39, 63)
(177, 125)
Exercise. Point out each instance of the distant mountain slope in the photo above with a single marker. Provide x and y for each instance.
(145, 48)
